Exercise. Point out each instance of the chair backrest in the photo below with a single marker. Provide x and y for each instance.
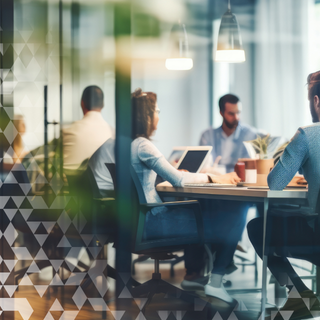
(139, 217)
(164, 244)
(112, 170)
(140, 193)
(137, 184)
(317, 209)
(82, 188)
(94, 189)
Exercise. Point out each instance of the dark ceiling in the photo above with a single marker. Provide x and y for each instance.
(202, 13)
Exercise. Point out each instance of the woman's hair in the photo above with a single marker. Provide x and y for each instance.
(143, 108)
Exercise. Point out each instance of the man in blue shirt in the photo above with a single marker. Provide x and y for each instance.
(227, 140)
(227, 143)
(295, 233)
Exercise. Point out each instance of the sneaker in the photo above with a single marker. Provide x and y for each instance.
(194, 282)
(219, 293)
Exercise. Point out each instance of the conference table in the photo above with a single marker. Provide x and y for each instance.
(252, 194)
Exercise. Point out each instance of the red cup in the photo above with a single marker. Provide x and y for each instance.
(240, 170)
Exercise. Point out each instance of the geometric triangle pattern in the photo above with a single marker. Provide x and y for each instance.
(38, 232)
(41, 227)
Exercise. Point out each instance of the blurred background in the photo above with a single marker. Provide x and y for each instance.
(51, 50)
(279, 38)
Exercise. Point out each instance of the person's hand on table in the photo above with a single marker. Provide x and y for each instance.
(183, 170)
(213, 170)
(229, 178)
(298, 180)
(302, 181)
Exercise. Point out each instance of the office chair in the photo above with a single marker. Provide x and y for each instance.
(142, 258)
(315, 270)
(285, 211)
(162, 248)
(101, 211)
(98, 213)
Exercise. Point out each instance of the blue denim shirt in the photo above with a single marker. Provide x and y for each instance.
(213, 137)
(303, 152)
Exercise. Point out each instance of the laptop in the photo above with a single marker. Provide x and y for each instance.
(175, 156)
(194, 158)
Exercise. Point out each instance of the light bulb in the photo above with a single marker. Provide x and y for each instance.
(235, 56)
(179, 64)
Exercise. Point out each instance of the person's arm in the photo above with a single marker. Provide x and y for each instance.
(154, 160)
(293, 157)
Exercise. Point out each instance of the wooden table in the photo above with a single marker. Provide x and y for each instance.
(257, 195)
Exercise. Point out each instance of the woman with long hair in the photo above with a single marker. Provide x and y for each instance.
(223, 224)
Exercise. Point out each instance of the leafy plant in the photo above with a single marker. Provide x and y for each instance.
(279, 152)
(263, 146)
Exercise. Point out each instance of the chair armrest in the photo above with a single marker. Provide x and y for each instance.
(167, 204)
(104, 199)
(178, 208)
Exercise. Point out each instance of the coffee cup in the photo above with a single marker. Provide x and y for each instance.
(240, 170)
(250, 170)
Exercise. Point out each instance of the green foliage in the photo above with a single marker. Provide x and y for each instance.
(279, 152)
(261, 144)
(145, 25)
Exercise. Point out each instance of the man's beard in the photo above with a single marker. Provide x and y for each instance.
(231, 125)
(314, 115)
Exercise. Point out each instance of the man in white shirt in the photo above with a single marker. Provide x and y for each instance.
(105, 154)
(85, 136)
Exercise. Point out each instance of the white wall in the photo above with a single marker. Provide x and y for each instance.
(183, 98)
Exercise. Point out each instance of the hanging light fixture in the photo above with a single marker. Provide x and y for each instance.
(229, 48)
(179, 59)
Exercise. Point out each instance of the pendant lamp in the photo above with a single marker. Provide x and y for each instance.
(179, 59)
(229, 48)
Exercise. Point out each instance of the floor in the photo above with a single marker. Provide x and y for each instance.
(78, 302)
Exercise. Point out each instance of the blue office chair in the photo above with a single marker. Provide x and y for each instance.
(161, 248)
(158, 249)
(100, 214)
(143, 257)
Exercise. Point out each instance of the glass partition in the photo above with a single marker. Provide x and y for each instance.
(72, 228)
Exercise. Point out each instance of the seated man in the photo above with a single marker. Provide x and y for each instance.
(295, 234)
(227, 140)
(105, 154)
(85, 136)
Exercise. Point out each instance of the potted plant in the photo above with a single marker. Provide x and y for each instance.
(262, 148)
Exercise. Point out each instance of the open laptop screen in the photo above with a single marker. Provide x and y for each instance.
(175, 156)
(193, 160)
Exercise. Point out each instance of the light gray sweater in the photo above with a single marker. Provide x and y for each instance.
(148, 161)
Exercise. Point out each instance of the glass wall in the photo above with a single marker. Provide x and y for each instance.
(61, 253)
